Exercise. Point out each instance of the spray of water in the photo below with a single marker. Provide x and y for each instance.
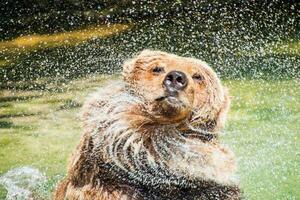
(239, 39)
(21, 182)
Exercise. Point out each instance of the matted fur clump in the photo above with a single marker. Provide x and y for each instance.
(154, 135)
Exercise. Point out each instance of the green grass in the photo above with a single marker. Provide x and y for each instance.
(286, 47)
(41, 128)
(264, 132)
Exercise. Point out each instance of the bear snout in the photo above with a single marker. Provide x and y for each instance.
(174, 82)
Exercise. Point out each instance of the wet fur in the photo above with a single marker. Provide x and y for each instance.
(125, 154)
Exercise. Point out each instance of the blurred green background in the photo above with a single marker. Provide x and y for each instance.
(53, 53)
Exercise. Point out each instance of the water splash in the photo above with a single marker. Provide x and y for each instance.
(21, 182)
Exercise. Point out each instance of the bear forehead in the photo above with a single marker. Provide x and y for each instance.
(173, 62)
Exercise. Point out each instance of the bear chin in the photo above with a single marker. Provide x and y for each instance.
(169, 109)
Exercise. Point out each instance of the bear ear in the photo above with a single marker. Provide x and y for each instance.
(142, 58)
(128, 67)
(222, 114)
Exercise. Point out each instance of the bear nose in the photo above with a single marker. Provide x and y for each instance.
(175, 80)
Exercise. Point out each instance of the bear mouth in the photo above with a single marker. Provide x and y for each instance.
(170, 105)
(170, 108)
(170, 99)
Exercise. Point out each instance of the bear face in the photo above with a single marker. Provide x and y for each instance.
(177, 89)
(143, 135)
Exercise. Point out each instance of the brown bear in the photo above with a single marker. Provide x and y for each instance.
(154, 135)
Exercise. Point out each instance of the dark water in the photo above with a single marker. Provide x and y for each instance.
(237, 38)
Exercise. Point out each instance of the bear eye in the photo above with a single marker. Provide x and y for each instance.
(197, 77)
(158, 70)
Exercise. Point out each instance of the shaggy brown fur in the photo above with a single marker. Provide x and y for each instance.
(145, 140)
